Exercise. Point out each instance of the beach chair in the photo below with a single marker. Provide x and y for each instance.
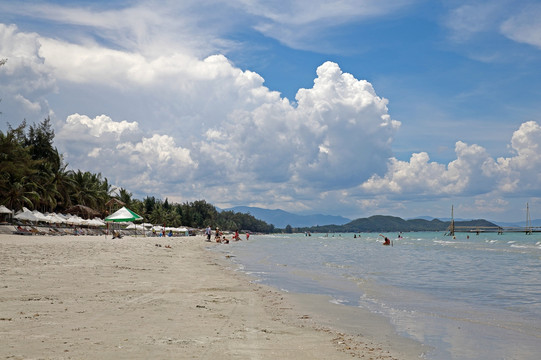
(20, 230)
(34, 230)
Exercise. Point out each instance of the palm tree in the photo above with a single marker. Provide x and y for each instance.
(124, 196)
(47, 191)
(65, 185)
(21, 193)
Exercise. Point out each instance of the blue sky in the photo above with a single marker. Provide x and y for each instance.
(353, 108)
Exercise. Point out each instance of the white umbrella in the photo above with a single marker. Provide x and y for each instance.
(98, 222)
(74, 220)
(40, 216)
(55, 218)
(25, 214)
(5, 210)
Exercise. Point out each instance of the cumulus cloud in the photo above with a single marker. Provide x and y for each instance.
(26, 79)
(474, 172)
(520, 173)
(123, 152)
(338, 134)
(420, 176)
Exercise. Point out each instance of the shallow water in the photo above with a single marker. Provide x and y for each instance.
(476, 298)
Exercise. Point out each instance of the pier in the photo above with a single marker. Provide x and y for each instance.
(497, 229)
(528, 229)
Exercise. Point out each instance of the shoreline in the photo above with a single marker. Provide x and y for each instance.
(95, 297)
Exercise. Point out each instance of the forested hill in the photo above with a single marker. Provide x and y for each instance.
(381, 223)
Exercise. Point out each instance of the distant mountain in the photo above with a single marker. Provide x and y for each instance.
(381, 223)
(536, 222)
(281, 218)
(432, 218)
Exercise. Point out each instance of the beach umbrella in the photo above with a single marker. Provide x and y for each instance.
(123, 215)
(98, 222)
(82, 210)
(55, 219)
(26, 215)
(74, 220)
(113, 202)
(40, 216)
(5, 210)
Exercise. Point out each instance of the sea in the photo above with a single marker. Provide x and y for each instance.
(472, 296)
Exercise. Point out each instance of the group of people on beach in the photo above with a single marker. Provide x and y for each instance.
(219, 236)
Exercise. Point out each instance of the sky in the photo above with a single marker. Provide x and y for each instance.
(351, 107)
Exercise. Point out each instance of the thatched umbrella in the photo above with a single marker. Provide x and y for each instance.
(114, 204)
(83, 210)
(4, 212)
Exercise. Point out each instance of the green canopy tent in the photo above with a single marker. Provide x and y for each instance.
(123, 215)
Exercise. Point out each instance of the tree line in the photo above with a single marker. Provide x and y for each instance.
(34, 174)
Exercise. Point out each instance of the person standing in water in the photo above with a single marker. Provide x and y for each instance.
(386, 240)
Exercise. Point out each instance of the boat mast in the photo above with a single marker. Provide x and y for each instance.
(528, 220)
(452, 226)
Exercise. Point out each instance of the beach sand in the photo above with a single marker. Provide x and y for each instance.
(92, 297)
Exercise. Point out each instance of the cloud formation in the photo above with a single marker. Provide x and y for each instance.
(26, 79)
(155, 105)
(337, 134)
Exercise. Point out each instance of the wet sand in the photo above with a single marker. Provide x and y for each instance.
(92, 297)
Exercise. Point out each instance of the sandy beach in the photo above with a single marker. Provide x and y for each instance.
(92, 297)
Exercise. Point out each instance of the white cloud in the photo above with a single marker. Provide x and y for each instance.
(474, 172)
(302, 24)
(101, 129)
(25, 77)
(27, 105)
(153, 28)
(338, 134)
(521, 173)
(159, 149)
(525, 26)
(517, 20)
(121, 151)
(465, 21)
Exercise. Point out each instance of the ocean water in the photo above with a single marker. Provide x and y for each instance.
(464, 298)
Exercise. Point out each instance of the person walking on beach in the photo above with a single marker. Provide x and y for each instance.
(208, 232)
